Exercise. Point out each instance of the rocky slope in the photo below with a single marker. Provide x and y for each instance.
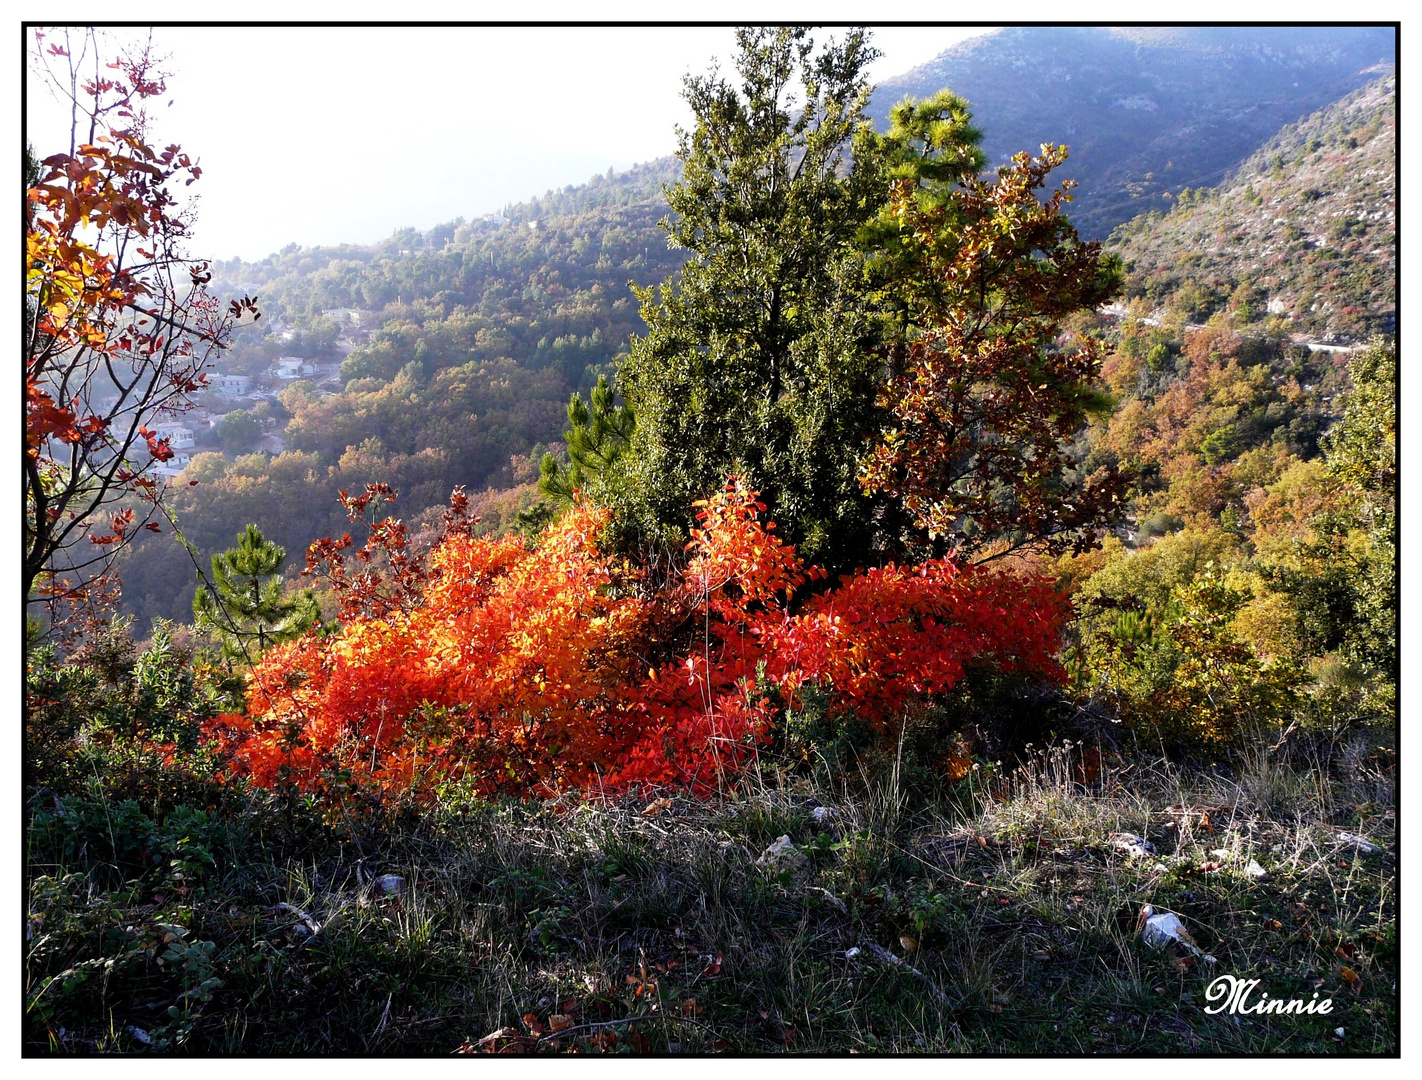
(1305, 228)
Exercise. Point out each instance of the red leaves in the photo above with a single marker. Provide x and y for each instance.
(117, 333)
(158, 447)
(526, 671)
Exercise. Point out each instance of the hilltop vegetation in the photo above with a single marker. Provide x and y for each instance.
(482, 328)
(1305, 229)
(904, 625)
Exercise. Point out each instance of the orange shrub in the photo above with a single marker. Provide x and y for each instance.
(537, 669)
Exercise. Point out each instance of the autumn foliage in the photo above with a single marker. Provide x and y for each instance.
(119, 324)
(991, 393)
(536, 668)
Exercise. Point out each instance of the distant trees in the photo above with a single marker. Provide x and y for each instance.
(118, 321)
(239, 430)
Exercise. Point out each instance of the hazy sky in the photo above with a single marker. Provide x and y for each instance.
(328, 134)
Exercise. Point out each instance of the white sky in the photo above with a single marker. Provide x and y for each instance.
(321, 135)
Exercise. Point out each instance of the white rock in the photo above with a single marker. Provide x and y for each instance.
(1367, 847)
(782, 852)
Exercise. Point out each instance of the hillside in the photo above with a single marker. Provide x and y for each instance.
(1305, 228)
(471, 335)
(1145, 111)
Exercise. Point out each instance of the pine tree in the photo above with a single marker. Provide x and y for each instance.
(596, 438)
(251, 607)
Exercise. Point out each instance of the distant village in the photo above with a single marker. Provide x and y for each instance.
(228, 391)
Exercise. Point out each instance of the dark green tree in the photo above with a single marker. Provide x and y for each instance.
(251, 609)
(759, 360)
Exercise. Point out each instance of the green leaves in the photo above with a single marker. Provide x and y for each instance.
(595, 438)
(250, 606)
(758, 360)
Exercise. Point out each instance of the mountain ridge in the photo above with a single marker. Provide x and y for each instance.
(1143, 110)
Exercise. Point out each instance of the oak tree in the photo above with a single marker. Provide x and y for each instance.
(992, 391)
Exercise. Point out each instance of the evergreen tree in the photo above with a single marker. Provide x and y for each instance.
(596, 438)
(251, 607)
(930, 149)
(759, 360)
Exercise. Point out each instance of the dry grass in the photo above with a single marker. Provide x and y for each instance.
(987, 921)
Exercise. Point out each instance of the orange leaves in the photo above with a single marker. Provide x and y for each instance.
(526, 670)
(117, 333)
(990, 394)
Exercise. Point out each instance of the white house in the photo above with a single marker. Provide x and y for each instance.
(352, 316)
(292, 367)
(177, 435)
(232, 385)
(174, 466)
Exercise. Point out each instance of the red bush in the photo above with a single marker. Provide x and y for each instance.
(531, 670)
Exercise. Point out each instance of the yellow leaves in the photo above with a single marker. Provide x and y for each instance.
(1352, 978)
(957, 765)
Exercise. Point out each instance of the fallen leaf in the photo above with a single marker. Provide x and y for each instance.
(1352, 978)
(531, 1022)
(559, 1022)
(513, 1042)
(713, 968)
(656, 806)
(1345, 951)
(689, 1007)
(1205, 825)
